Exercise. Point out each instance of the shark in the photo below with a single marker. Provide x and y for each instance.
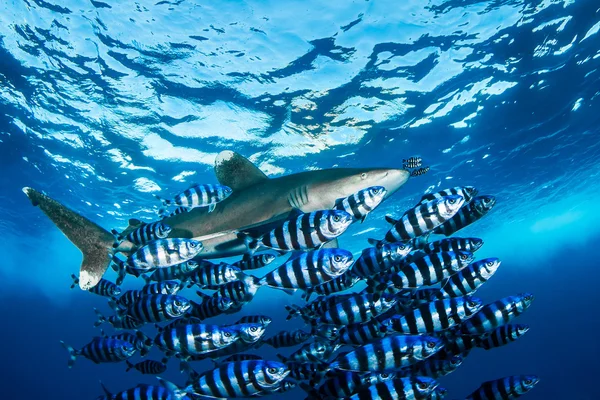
(257, 203)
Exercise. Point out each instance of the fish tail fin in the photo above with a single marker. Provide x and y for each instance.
(375, 242)
(75, 281)
(106, 391)
(164, 202)
(146, 278)
(307, 293)
(90, 238)
(292, 312)
(72, 354)
(129, 365)
(177, 392)
(101, 318)
(250, 242)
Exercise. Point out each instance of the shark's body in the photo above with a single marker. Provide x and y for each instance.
(256, 202)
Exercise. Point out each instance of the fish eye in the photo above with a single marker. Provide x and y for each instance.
(528, 381)
(422, 385)
(253, 329)
(452, 201)
(384, 375)
(363, 175)
(489, 263)
(337, 258)
(272, 370)
(177, 303)
(431, 345)
(463, 256)
(227, 334)
(336, 218)
(472, 304)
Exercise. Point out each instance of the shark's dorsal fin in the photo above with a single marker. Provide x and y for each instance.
(236, 171)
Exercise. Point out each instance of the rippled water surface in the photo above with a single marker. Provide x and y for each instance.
(104, 103)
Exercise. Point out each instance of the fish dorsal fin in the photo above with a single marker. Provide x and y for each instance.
(236, 171)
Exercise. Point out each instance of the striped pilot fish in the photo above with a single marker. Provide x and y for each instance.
(466, 192)
(343, 384)
(102, 350)
(239, 379)
(413, 387)
(148, 367)
(453, 244)
(255, 319)
(468, 214)
(210, 306)
(496, 314)
(156, 308)
(306, 371)
(240, 292)
(435, 316)
(139, 340)
(316, 307)
(433, 367)
(469, 279)
(254, 262)
(178, 271)
(412, 162)
(287, 338)
(304, 232)
(144, 234)
(163, 213)
(161, 253)
(438, 393)
(357, 309)
(419, 172)
(361, 203)
(374, 260)
(250, 332)
(212, 276)
(117, 322)
(194, 339)
(507, 388)
(167, 391)
(103, 288)
(311, 352)
(389, 353)
(422, 219)
(425, 271)
(163, 287)
(359, 334)
(205, 195)
(455, 345)
(309, 269)
(128, 298)
(249, 336)
(326, 332)
(339, 284)
(502, 336)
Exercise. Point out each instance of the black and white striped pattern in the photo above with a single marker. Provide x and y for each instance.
(507, 388)
(318, 306)
(389, 353)
(455, 345)
(412, 162)
(117, 322)
(414, 387)
(496, 314)
(420, 171)
(435, 316)
(139, 340)
(239, 379)
(250, 332)
(361, 203)
(149, 367)
(179, 271)
(307, 231)
(360, 334)
(287, 338)
(468, 280)
(194, 339)
(205, 195)
(309, 269)
(164, 253)
(454, 244)
(212, 276)
(374, 260)
(312, 352)
(210, 307)
(157, 308)
(144, 392)
(102, 350)
(423, 218)
(357, 309)
(162, 213)
(147, 233)
(468, 214)
(249, 263)
(434, 367)
(466, 192)
(502, 336)
(164, 287)
(103, 287)
(339, 284)
(128, 298)
(346, 383)
(255, 319)
(240, 292)
(426, 271)
(303, 371)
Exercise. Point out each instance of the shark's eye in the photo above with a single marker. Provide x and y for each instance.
(363, 175)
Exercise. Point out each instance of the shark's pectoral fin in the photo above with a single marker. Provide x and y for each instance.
(332, 244)
(90, 238)
(236, 171)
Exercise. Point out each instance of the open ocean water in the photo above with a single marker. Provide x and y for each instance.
(105, 103)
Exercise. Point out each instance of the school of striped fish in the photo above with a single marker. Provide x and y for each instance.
(415, 319)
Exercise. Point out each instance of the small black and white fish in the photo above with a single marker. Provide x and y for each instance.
(179, 271)
(311, 352)
(496, 314)
(240, 292)
(374, 260)
(468, 214)
(205, 195)
(144, 234)
(210, 306)
(502, 336)
(162, 213)
(433, 367)
(469, 279)
(102, 350)
(360, 334)
(412, 162)
(195, 339)
(103, 287)
(344, 384)
(148, 367)
(304, 232)
(507, 388)
(164, 287)
(156, 308)
(287, 338)
(357, 309)
(254, 262)
(117, 322)
(420, 171)
(139, 340)
(339, 284)
(166, 391)
(414, 387)
(160, 254)
(212, 276)
(361, 203)
(453, 244)
(466, 192)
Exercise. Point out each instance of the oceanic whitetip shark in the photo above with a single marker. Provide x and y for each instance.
(256, 202)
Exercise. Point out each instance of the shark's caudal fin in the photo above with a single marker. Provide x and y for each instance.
(236, 171)
(91, 239)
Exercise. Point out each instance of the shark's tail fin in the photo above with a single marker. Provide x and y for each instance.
(94, 241)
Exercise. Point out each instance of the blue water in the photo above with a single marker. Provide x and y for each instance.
(104, 103)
